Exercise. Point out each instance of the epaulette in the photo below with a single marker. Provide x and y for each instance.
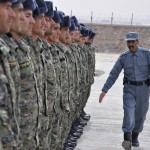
(3, 47)
(125, 53)
(144, 49)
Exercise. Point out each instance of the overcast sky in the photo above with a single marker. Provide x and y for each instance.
(105, 7)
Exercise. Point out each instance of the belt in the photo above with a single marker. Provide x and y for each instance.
(136, 83)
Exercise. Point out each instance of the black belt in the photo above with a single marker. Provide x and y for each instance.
(136, 83)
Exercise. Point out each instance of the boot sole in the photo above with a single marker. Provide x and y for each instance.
(127, 145)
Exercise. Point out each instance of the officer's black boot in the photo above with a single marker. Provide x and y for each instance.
(135, 141)
(126, 144)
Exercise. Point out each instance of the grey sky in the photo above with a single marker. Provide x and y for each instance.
(105, 7)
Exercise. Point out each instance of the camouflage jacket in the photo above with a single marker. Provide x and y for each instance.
(9, 128)
(50, 83)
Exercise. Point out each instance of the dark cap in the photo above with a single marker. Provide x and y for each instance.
(84, 31)
(17, 2)
(72, 27)
(65, 22)
(131, 36)
(56, 17)
(50, 12)
(42, 6)
(92, 35)
(75, 21)
(5, 1)
(29, 5)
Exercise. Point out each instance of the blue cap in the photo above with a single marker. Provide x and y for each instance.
(92, 35)
(29, 5)
(50, 12)
(42, 6)
(36, 11)
(4, 1)
(75, 21)
(65, 22)
(131, 36)
(56, 17)
(84, 31)
(72, 27)
(17, 2)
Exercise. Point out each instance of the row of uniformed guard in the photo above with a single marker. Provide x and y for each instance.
(46, 72)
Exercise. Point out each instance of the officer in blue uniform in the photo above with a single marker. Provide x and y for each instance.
(136, 65)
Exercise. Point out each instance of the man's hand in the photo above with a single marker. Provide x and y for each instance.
(101, 96)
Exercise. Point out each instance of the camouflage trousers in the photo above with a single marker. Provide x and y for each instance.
(56, 132)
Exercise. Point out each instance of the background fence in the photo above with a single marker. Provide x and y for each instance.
(114, 18)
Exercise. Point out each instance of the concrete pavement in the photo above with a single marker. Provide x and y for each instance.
(103, 131)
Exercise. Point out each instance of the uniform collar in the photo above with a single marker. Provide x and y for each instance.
(137, 53)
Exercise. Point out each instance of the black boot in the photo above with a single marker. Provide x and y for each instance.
(126, 144)
(135, 141)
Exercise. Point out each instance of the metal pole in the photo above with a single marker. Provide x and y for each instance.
(112, 18)
(91, 16)
(132, 19)
(71, 13)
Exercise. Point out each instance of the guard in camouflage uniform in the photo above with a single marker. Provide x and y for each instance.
(8, 120)
(51, 86)
(91, 61)
(13, 63)
(68, 104)
(40, 72)
(56, 126)
(29, 93)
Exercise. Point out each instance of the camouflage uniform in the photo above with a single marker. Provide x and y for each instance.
(40, 72)
(75, 51)
(29, 97)
(67, 88)
(9, 129)
(50, 87)
(56, 126)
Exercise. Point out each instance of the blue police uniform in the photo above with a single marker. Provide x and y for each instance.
(136, 68)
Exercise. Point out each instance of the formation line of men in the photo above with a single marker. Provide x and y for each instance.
(46, 71)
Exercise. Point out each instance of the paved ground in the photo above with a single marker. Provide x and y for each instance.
(103, 131)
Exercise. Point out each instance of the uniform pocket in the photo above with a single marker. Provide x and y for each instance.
(128, 70)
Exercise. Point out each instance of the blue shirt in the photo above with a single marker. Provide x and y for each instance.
(136, 67)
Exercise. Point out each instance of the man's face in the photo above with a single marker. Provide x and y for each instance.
(17, 22)
(73, 35)
(49, 25)
(27, 23)
(64, 34)
(89, 41)
(132, 45)
(54, 37)
(82, 40)
(68, 40)
(39, 26)
(6, 17)
(78, 34)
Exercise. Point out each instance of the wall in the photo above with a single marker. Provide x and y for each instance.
(110, 38)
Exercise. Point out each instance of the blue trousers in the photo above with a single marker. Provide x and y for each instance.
(135, 105)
